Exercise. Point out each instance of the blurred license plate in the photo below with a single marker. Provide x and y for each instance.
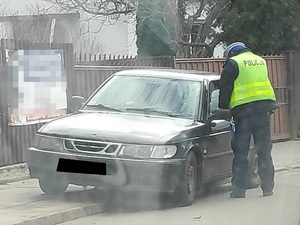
(79, 166)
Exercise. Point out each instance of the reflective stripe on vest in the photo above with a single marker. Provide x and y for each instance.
(252, 83)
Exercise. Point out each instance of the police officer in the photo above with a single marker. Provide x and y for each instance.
(245, 89)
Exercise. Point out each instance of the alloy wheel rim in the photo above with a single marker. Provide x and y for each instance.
(191, 180)
(255, 166)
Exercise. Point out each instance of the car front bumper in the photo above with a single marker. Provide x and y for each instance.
(136, 174)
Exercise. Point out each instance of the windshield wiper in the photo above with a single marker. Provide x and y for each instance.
(179, 115)
(101, 106)
(153, 110)
(146, 110)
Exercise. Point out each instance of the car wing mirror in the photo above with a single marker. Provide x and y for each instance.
(76, 103)
(219, 114)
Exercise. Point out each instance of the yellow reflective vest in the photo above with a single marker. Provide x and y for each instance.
(252, 83)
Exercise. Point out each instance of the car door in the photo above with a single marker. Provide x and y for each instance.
(218, 154)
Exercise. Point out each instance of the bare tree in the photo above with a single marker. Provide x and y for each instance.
(3, 8)
(40, 26)
(4, 11)
(88, 42)
(193, 19)
(40, 9)
(100, 10)
(34, 27)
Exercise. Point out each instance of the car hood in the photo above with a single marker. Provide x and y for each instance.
(119, 127)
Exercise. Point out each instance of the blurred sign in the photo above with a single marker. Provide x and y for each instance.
(36, 85)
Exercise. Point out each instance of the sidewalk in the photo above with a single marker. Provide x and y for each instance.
(14, 173)
(23, 203)
(286, 155)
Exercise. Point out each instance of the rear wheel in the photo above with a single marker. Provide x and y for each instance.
(186, 190)
(52, 185)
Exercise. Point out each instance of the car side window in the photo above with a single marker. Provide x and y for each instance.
(214, 101)
(220, 125)
(213, 97)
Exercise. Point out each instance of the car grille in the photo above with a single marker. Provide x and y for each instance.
(91, 146)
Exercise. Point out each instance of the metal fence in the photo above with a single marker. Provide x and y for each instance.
(18, 139)
(293, 80)
(118, 60)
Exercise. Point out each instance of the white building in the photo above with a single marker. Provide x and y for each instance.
(113, 39)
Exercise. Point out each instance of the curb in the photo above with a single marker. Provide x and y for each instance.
(19, 172)
(14, 179)
(287, 167)
(13, 167)
(62, 217)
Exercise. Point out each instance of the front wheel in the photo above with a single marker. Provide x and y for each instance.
(254, 179)
(186, 189)
(52, 186)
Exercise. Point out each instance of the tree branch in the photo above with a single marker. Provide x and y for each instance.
(213, 14)
(96, 7)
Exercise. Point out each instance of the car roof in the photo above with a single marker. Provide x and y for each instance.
(171, 73)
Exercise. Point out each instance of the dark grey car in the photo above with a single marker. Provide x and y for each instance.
(153, 130)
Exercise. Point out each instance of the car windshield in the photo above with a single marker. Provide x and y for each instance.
(165, 96)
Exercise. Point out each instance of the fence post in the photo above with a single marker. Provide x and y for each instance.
(293, 90)
(296, 91)
(5, 146)
(3, 89)
(173, 62)
(69, 68)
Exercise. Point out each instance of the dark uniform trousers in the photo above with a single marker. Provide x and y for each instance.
(259, 126)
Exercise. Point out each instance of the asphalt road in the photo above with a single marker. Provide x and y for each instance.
(211, 208)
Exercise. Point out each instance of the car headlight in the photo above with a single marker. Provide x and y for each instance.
(164, 151)
(149, 151)
(47, 143)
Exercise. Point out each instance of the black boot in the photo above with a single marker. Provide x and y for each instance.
(237, 194)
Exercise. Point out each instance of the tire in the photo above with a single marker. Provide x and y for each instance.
(52, 185)
(186, 190)
(254, 179)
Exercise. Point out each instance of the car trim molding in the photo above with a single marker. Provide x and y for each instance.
(101, 157)
(219, 133)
